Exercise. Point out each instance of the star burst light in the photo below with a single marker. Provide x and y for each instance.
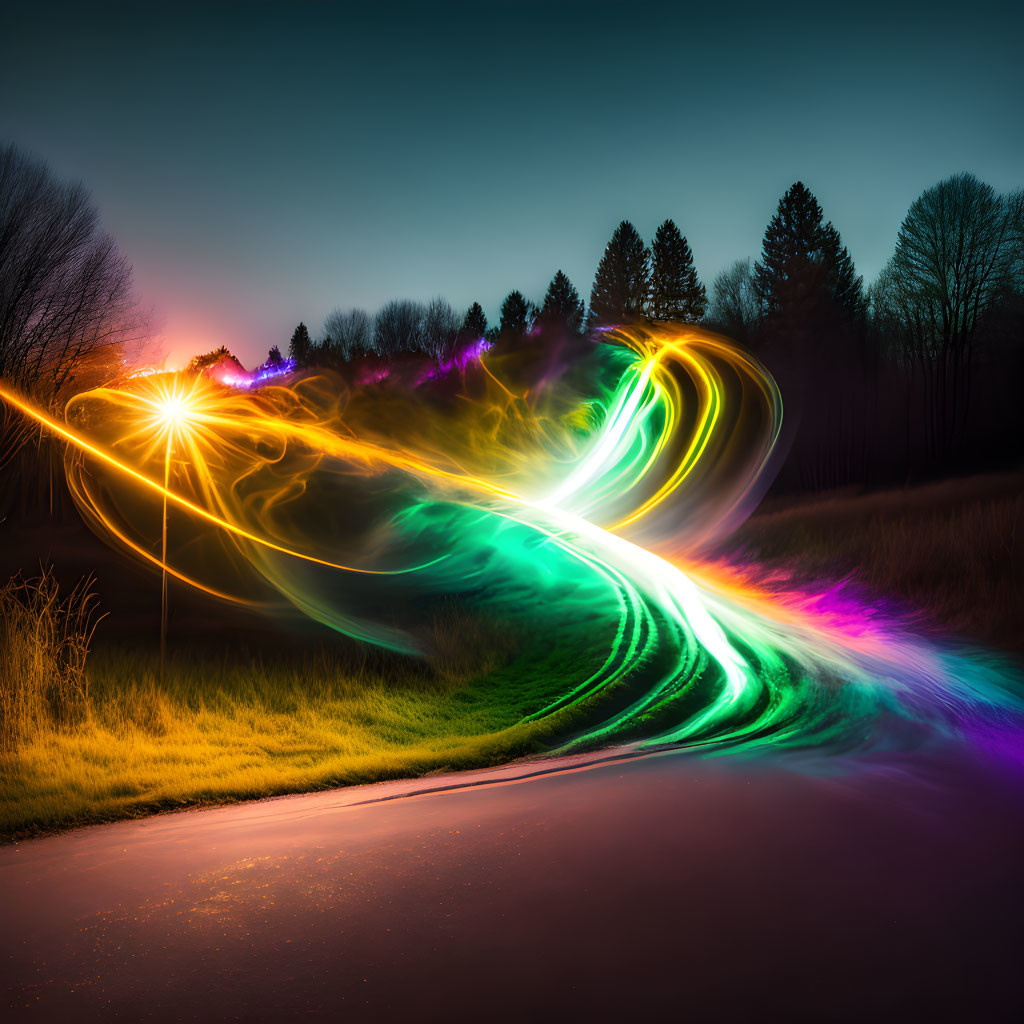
(170, 409)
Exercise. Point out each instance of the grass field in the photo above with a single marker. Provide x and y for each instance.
(238, 731)
(952, 552)
(86, 740)
(120, 742)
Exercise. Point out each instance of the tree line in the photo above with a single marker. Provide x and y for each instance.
(632, 281)
(913, 375)
(68, 317)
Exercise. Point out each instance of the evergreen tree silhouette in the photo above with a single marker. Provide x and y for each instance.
(475, 324)
(516, 314)
(621, 282)
(812, 335)
(563, 306)
(299, 346)
(846, 288)
(805, 276)
(274, 357)
(676, 291)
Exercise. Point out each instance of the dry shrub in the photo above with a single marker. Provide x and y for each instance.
(44, 642)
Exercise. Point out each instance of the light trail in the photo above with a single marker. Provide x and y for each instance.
(588, 490)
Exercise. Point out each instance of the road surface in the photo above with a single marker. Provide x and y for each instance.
(658, 886)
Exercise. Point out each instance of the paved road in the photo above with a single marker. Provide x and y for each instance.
(655, 886)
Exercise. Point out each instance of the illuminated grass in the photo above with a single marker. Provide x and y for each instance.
(229, 728)
(219, 730)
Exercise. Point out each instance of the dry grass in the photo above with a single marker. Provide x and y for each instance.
(225, 727)
(953, 551)
(44, 640)
(227, 732)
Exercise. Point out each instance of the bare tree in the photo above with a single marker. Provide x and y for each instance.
(440, 329)
(398, 327)
(350, 331)
(67, 314)
(959, 250)
(735, 306)
(65, 290)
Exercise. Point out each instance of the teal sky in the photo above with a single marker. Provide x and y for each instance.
(264, 163)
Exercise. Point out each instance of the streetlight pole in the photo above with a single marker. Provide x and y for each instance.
(163, 560)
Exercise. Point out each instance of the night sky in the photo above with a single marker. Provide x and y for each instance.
(264, 163)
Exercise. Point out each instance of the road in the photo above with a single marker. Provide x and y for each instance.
(654, 886)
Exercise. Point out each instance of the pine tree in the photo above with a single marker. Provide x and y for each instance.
(846, 288)
(474, 325)
(516, 314)
(563, 307)
(676, 291)
(812, 335)
(274, 357)
(804, 267)
(299, 346)
(621, 283)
